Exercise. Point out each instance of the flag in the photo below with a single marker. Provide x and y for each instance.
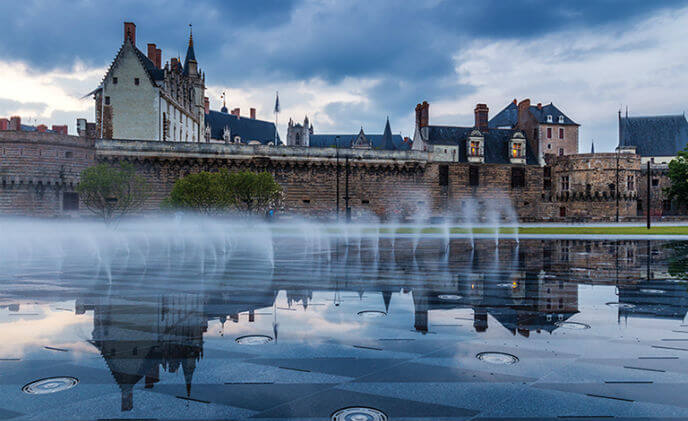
(277, 106)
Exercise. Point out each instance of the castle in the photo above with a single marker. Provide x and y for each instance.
(159, 119)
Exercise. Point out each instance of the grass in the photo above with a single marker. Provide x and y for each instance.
(545, 230)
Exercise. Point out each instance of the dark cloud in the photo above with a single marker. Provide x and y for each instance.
(409, 46)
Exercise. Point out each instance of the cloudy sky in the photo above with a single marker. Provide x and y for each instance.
(351, 63)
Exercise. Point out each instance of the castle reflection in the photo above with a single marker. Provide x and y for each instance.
(528, 288)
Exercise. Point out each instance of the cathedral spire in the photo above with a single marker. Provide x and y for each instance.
(387, 142)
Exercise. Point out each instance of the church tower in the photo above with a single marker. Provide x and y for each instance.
(197, 82)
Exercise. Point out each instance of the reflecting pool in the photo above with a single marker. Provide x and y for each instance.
(166, 320)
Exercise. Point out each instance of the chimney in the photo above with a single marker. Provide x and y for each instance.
(539, 106)
(515, 102)
(236, 112)
(481, 114)
(130, 32)
(42, 128)
(206, 105)
(173, 63)
(15, 123)
(4, 124)
(422, 114)
(60, 129)
(158, 58)
(152, 53)
(253, 113)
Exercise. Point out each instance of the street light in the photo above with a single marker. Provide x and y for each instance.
(337, 154)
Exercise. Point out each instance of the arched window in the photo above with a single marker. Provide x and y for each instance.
(549, 118)
(561, 119)
(298, 138)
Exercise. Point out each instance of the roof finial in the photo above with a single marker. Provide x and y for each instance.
(190, 35)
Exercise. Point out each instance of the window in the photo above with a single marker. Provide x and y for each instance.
(562, 212)
(518, 177)
(444, 175)
(136, 81)
(549, 133)
(588, 188)
(547, 172)
(630, 183)
(107, 100)
(473, 175)
(561, 132)
(639, 206)
(365, 201)
(547, 178)
(549, 118)
(70, 201)
(655, 182)
(69, 154)
(114, 81)
(565, 183)
(549, 146)
(306, 200)
(561, 119)
(516, 150)
(475, 148)
(561, 151)
(612, 188)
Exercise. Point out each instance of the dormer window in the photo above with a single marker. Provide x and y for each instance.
(475, 147)
(549, 118)
(517, 149)
(237, 139)
(561, 119)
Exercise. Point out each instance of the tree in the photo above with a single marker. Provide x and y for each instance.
(204, 192)
(678, 174)
(112, 191)
(253, 192)
(222, 191)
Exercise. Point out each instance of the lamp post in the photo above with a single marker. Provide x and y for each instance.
(346, 193)
(337, 155)
(618, 187)
(649, 195)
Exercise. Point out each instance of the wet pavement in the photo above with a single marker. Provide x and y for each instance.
(286, 326)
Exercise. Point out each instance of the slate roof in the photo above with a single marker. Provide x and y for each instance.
(190, 55)
(346, 140)
(654, 136)
(249, 129)
(509, 116)
(496, 143)
(154, 73)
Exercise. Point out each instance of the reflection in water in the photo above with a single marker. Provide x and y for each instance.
(150, 316)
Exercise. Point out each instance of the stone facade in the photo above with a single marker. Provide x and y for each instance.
(140, 100)
(591, 186)
(40, 171)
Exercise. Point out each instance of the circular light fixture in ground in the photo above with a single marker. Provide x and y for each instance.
(620, 305)
(371, 313)
(50, 385)
(359, 414)
(253, 339)
(497, 358)
(449, 297)
(572, 325)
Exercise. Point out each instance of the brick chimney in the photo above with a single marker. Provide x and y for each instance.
(539, 106)
(59, 129)
(236, 112)
(15, 123)
(41, 128)
(422, 114)
(515, 101)
(173, 63)
(253, 113)
(130, 32)
(481, 114)
(206, 105)
(158, 58)
(152, 53)
(4, 124)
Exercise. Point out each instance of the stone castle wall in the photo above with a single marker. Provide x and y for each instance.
(37, 169)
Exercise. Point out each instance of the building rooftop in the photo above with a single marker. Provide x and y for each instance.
(654, 135)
